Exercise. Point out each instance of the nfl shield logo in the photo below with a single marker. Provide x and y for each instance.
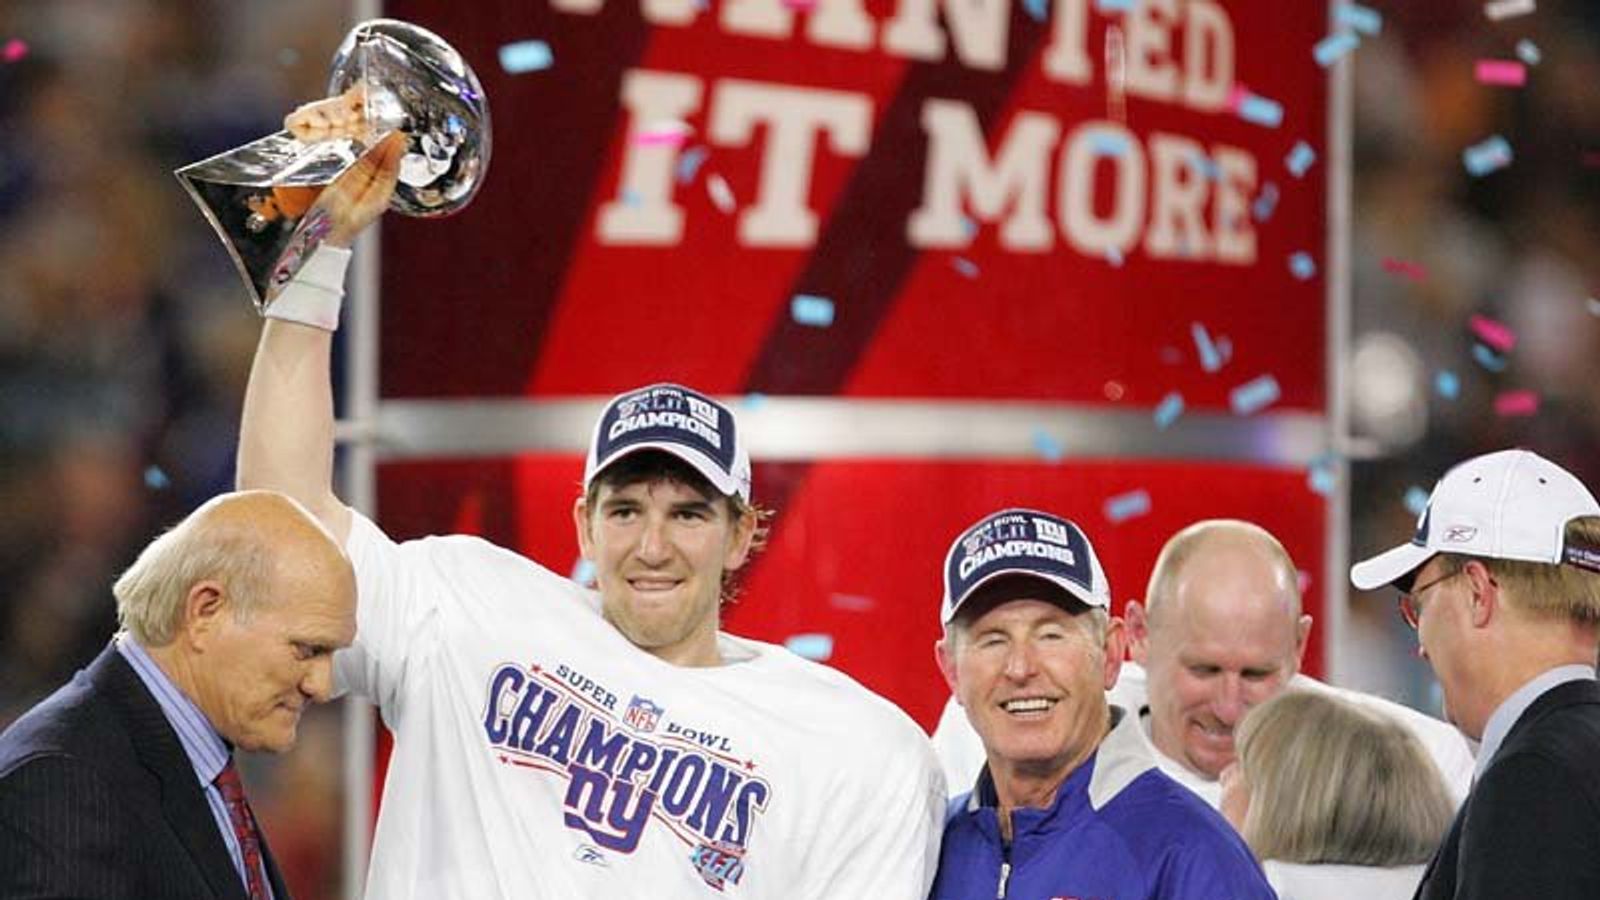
(642, 715)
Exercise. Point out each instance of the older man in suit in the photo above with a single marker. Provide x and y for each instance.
(1502, 583)
(122, 783)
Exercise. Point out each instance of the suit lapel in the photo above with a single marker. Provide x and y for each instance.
(183, 804)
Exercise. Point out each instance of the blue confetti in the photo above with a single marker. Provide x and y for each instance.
(155, 479)
(583, 571)
(1048, 446)
(689, 163)
(1111, 6)
(1489, 155)
(1416, 500)
(968, 227)
(1168, 410)
(1254, 395)
(754, 400)
(1210, 359)
(1262, 208)
(1332, 48)
(1528, 52)
(1323, 476)
(1302, 266)
(809, 309)
(1109, 143)
(1206, 166)
(630, 197)
(1127, 506)
(1363, 19)
(1300, 159)
(815, 647)
(1038, 9)
(1261, 110)
(1447, 384)
(525, 56)
(1489, 359)
(1114, 256)
(965, 266)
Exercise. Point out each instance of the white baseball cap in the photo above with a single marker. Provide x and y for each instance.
(1022, 542)
(1512, 504)
(676, 420)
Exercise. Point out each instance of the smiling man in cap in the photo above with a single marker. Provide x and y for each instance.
(1070, 801)
(1502, 583)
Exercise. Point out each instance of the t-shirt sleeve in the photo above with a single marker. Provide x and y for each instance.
(397, 595)
(887, 843)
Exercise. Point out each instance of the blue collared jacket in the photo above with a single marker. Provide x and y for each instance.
(1119, 829)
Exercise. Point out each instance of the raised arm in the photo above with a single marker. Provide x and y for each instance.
(286, 436)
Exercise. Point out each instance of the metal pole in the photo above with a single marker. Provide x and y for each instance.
(1337, 547)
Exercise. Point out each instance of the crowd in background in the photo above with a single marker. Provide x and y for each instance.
(125, 338)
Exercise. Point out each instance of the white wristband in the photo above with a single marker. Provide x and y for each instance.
(315, 294)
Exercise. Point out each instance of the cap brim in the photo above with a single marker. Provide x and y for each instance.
(701, 463)
(1077, 591)
(1389, 567)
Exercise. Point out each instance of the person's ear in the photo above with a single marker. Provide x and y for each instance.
(580, 521)
(944, 654)
(1485, 599)
(1138, 631)
(203, 610)
(1116, 647)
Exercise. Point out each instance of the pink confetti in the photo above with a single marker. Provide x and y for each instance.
(1516, 403)
(15, 49)
(1405, 269)
(1502, 72)
(662, 134)
(800, 5)
(1236, 97)
(1495, 334)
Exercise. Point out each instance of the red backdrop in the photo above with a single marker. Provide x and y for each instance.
(525, 295)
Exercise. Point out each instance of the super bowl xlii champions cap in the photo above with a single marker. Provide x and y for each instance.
(1022, 542)
(1512, 504)
(676, 420)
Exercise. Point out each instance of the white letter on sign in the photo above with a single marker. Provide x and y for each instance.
(648, 215)
(793, 115)
(958, 164)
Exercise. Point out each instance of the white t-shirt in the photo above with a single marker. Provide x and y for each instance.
(961, 752)
(538, 753)
(1327, 881)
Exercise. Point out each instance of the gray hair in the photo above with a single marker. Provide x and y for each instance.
(151, 593)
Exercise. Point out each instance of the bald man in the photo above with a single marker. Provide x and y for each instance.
(122, 783)
(1220, 630)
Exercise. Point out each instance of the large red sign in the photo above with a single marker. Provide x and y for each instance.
(994, 205)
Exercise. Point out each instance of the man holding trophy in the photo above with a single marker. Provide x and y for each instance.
(552, 740)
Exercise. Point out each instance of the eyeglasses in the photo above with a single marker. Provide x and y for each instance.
(1410, 609)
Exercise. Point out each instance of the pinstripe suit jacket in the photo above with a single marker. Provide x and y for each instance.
(98, 800)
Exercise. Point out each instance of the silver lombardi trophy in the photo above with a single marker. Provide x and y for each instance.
(408, 79)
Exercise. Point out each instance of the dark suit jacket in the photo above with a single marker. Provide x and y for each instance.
(99, 800)
(1531, 826)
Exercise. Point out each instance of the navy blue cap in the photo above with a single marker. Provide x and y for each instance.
(1023, 542)
(676, 420)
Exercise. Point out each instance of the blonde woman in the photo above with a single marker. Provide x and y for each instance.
(1335, 801)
